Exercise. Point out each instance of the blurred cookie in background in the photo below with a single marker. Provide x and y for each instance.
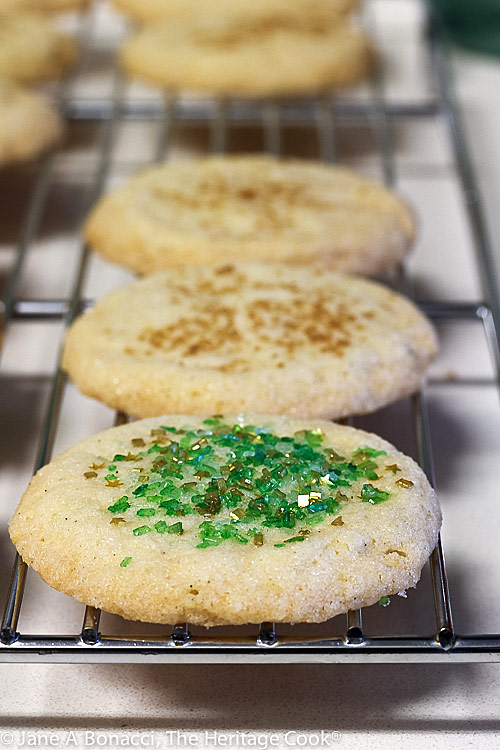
(28, 123)
(45, 6)
(283, 53)
(31, 49)
(159, 10)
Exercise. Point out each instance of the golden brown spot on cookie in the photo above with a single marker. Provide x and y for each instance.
(298, 321)
(230, 289)
(247, 193)
(212, 328)
(238, 32)
(223, 270)
(236, 365)
(397, 551)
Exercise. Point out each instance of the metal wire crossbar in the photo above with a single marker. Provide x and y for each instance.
(266, 644)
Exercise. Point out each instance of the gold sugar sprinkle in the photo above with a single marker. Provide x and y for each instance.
(117, 521)
(132, 457)
(114, 483)
(397, 551)
(90, 474)
(138, 442)
(160, 437)
(337, 521)
(393, 467)
(404, 483)
(237, 514)
(96, 466)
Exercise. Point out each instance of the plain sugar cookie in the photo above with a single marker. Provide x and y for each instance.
(31, 49)
(280, 55)
(45, 6)
(251, 208)
(157, 10)
(274, 339)
(28, 123)
(228, 520)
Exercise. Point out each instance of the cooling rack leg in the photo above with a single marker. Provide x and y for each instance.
(442, 603)
(180, 634)
(354, 634)
(90, 629)
(8, 633)
(444, 635)
(267, 634)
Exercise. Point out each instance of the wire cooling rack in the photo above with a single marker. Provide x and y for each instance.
(378, 114)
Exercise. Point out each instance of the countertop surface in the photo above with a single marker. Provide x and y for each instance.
(345, 705)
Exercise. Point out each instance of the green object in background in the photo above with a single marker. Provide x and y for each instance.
(471, 23)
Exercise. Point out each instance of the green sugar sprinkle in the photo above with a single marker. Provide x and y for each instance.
(291, 540)
(370, 494)
(175, 528)
(146, 512)
(238, 481)
(120, 506)
(384, 601)
(126, 561)
(140, 530)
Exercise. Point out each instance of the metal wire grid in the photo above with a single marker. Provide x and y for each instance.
(444, 645)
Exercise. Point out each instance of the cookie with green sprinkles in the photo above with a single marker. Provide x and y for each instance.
(228, 520)
(250, 337)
